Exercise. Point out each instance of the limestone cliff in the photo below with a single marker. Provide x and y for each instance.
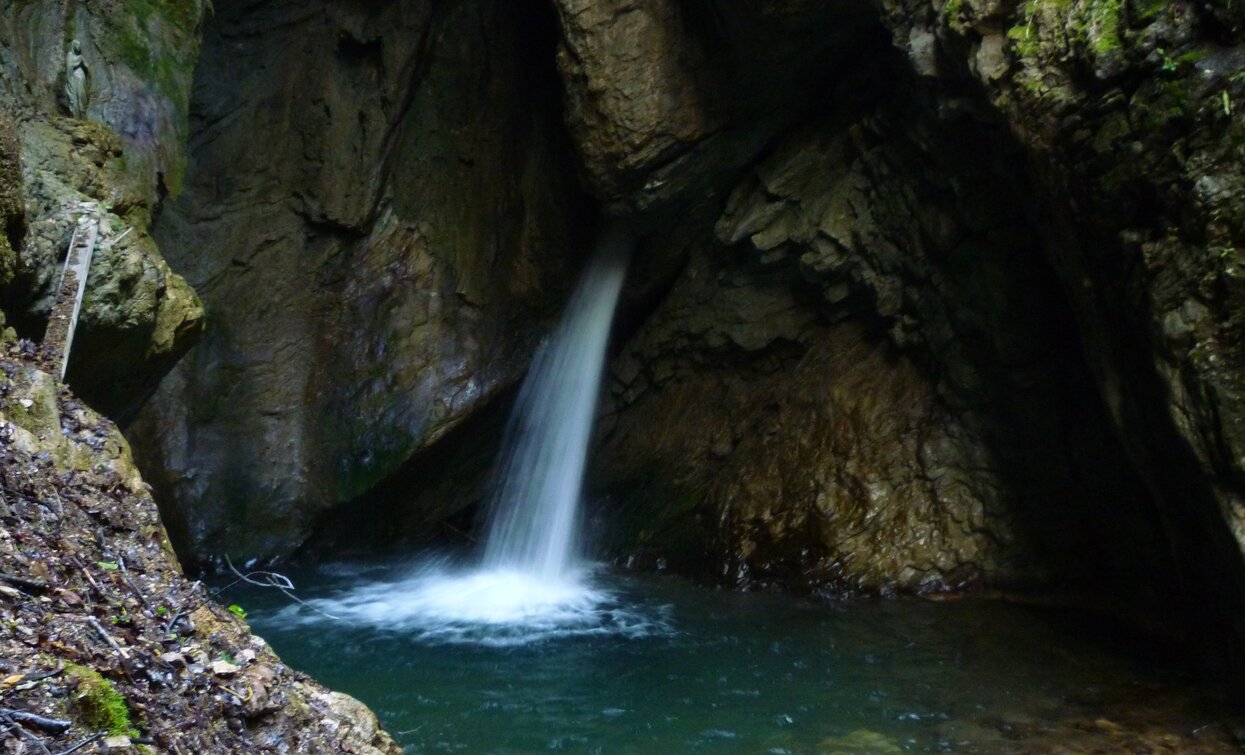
(117, 162)
(1127, 114)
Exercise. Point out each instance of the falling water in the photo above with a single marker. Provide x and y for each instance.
(535, 522)
(531, 584)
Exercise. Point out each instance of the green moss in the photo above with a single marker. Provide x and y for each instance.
(1104, 20)
(1149, 10)
(98, 704)
(1158, 103)
(12, 204)
(157, 40)
(952, 14)
(1023, 40)
(1055, 25)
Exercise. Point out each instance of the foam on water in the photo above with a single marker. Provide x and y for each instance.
(437, 603)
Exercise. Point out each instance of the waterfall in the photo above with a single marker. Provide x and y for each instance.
(534, 523)
(530, 586)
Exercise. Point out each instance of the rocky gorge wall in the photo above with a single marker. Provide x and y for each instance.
(928, 297)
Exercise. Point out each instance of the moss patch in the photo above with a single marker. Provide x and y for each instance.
(98, 704)
(12, 204)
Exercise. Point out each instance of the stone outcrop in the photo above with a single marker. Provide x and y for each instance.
(12, 199)
(382, 217)
(665, 99)
(117, 163)
(894, 403)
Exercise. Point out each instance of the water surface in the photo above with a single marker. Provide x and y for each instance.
(656, 665)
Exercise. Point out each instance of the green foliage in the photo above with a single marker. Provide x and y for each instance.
(236, 610)
(107, 565)
(951, 14)
(1094, 24)
(98, 704)
(1102, 25)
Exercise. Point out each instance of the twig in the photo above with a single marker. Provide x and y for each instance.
(272, 579)
(25, 734)
(117, 239)
(249, 692)
(130, 583)
(107, 638)
(42, 723)
(38, 676)
(36, 585)
(81, 744)
(87, 574)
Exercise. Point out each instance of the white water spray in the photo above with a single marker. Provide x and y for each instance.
(531, 584)
(535, 514)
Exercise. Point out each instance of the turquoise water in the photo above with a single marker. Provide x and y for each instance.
(669, 667)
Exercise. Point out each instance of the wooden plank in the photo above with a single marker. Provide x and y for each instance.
(68, 305)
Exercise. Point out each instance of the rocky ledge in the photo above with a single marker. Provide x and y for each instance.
(107, 646)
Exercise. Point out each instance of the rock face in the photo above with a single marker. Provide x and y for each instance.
(116, 164)
(1039, 228)
(665, 98)
(894, 403)
(381, 218)
(1127, 114)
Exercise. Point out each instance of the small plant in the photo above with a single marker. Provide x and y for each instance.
(236, 610)
(162, 611)
(107, 565)
(1170, 64)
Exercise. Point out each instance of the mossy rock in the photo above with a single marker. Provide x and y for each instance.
(12, 200)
